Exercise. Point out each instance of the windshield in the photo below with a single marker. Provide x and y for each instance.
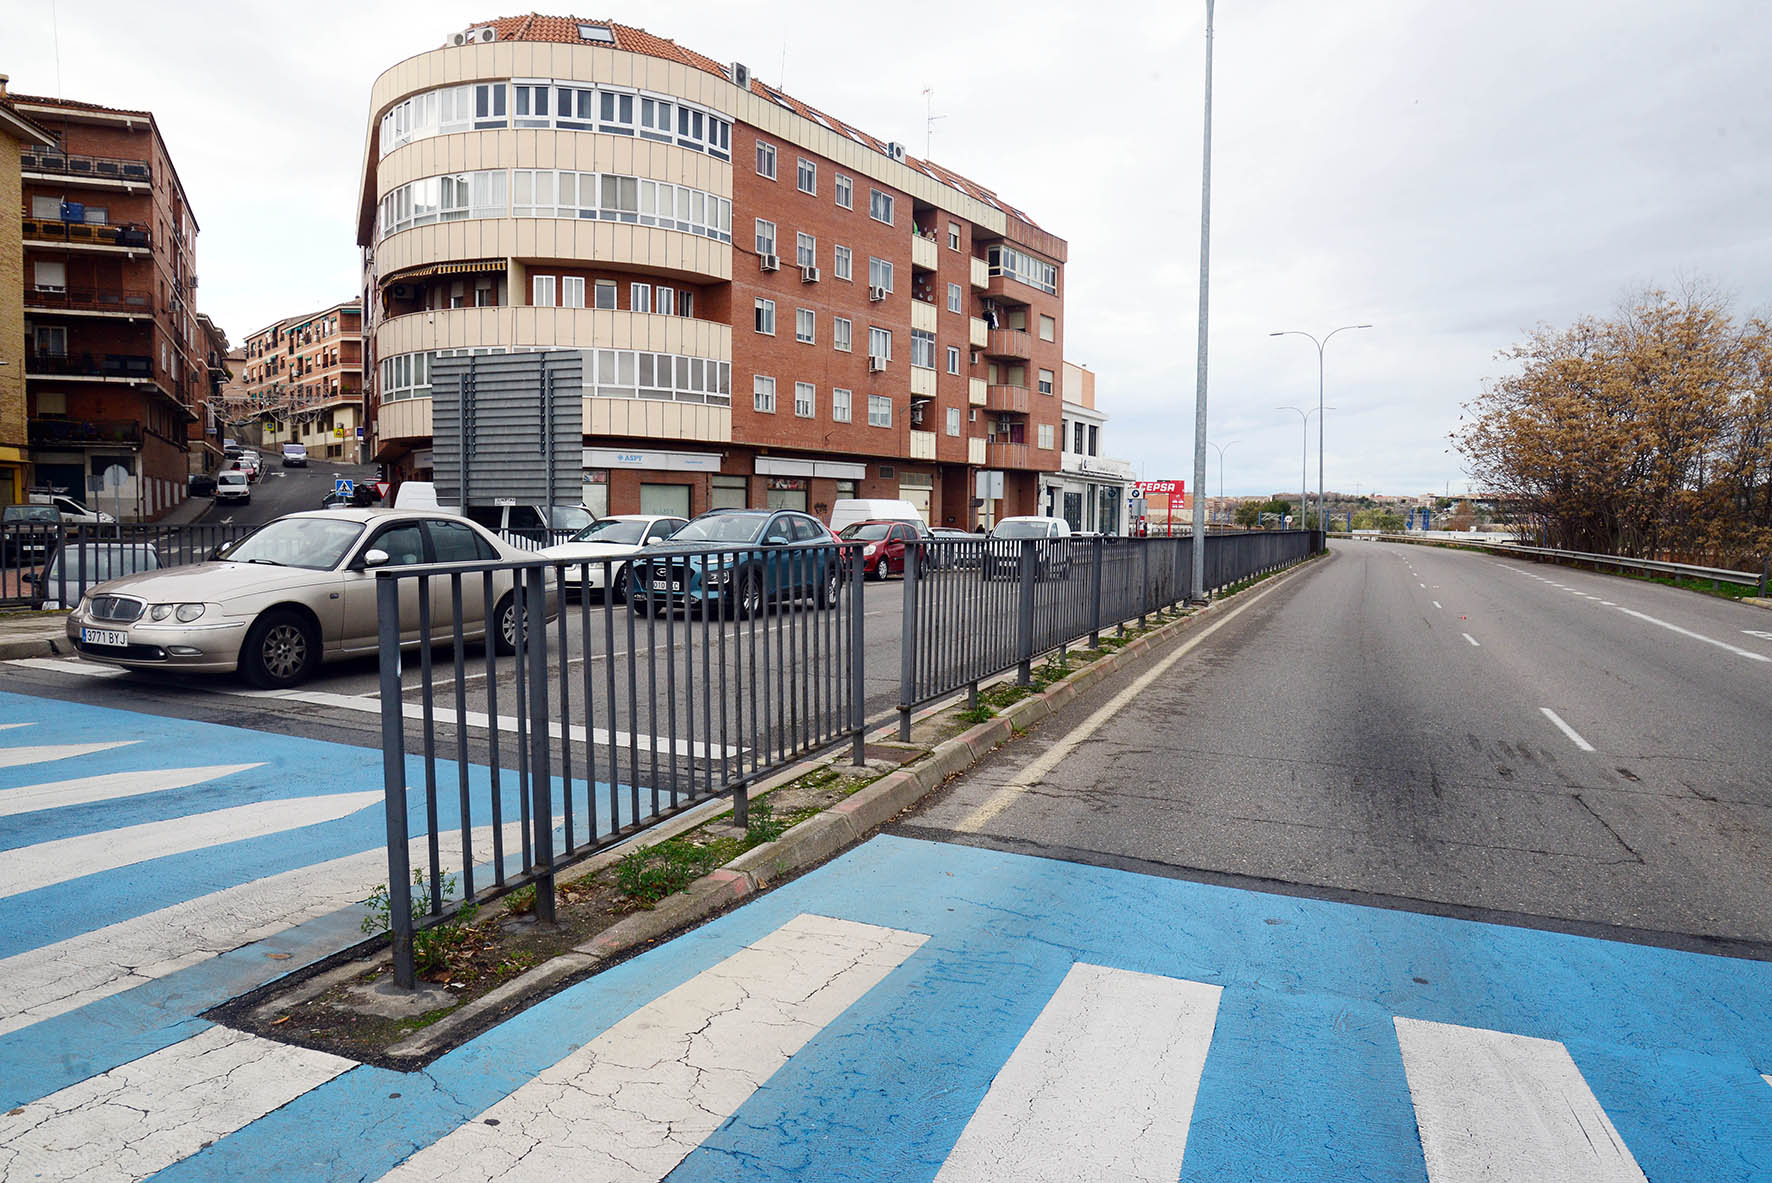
(315, 543)
(1020, 530)
(723, 527)
(612, 530)
(30, 513)
(232, 478)
(568, 517)
(864, 532)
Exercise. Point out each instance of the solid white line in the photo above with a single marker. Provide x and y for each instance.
(68, 665)
(1102, 1086)
(1000, 800)
(1607, 604)
(109, 787)
(1423, 586)
(31, 867)
(1685, 632)
(1437, 605)
(144, 1116)
(1490, 1106)
(1472, 640)
(635, 1101)
(44, 753)
(1574, 736)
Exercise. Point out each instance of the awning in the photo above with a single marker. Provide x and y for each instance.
(465, 267)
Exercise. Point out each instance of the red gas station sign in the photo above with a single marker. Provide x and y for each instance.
(1169, 488)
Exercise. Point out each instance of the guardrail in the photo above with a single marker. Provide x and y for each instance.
(1716, 575)
(52, 566)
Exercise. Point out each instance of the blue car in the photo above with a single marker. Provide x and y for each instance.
(736, 561)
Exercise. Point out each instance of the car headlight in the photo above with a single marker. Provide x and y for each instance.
(161, 611)
(189, 612)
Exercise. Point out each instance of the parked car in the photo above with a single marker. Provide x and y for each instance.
(28, 532)
(1052, 557)
(249, 464)
(363, 495)
(846, 511)
(72, 512)
(201, 484)
(76, 566)
(605, 545)
(528, 527)
(883, 545)
(233, 485)
(951, 554)
(737, 560)
(295, 456)
(294, 593)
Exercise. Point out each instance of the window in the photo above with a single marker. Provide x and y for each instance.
(880, 343)
(456, 542)
(765, 160)
(625, 373)
(596, 33)
(766, 316)
(842, 402)
(529, 104)
(806, 176)
(51, 277)
(805, 400)
(1045, 381)
(953, 236)
(840, 333)
(845, 191)
(617, 114)
(1078, 434)
(763, 393)
(1048, 328)
(1094, 439)
(640, 297)
(729, 492)
(804, 322)
(46, 208)
(1046, 436)
(805, 250)
(880, 273)
(953, 420)
(664, 295)
(604, 296)
(879, 410)
(1024, 268)
(655, 119)
(686, 303)
(52, 340)
(953, 359)
(954, 297)
(923, 349)
(765, 237)
(541, 288)
(880, 206)
(572, 291)
(843, 263)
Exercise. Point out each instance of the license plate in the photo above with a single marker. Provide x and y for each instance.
(662, 584)
(104, 636)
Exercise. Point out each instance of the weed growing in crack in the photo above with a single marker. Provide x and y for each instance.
(431, 946)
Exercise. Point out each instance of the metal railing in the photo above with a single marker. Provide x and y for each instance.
(715, 670)
(48, 160)
(52, 566)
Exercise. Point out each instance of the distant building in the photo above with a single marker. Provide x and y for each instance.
(235, 402)
(304, 381)
(16, 133)
(205, 433)
(1090, 490)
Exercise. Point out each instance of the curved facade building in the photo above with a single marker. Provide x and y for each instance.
(774, 307)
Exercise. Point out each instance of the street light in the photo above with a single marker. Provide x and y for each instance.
(1322, 523)
(1304, 459)
(1222, 448)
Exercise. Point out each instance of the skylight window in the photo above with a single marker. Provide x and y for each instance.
(596, 33)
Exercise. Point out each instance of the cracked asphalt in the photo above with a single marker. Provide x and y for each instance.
(1375, 729)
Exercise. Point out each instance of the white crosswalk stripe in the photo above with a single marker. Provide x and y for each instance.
(1499, 1108)
(109, 787)
(43, 753)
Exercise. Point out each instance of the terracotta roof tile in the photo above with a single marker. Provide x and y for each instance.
(42, 100)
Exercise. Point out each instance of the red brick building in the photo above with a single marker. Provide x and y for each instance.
(774, 307)
(304, 381)
(116, 362)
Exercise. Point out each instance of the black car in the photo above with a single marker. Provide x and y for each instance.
(201, 485)
(736, 561)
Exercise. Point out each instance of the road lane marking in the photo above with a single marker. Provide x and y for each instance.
(1574, 736)
(109, 787)
(1686, 632)
(29, 868)
(1491, 1105)
(1101, 1086)
(68, 665)
(1472, 640)
(1607, 604)
(1423, 586)
(1437, 605)
(44, 753)
(10, 726)
(635, 1101)
(144, 1116)
(1760, 633)
(1000, 800)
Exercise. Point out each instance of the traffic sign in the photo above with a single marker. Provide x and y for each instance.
(342, 485)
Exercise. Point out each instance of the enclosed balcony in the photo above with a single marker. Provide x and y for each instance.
(105, 236)
(108, 172)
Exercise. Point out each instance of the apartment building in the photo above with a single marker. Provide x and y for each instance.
(304, 381)
(115, 362)
(774, 306)
(1090, 490)
(204, 433)
(236, 404)
(17, 133)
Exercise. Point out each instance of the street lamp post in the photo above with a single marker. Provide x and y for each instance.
(1197, 584)
(1322, 522)
(1222, 449)
(1304, 458)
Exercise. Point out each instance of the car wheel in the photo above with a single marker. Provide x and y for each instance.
(619, 589)
(881, 571)
(282, 649)
(749, 601)
(504, 640)
(831, 587)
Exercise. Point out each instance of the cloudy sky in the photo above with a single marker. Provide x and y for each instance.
(1453, 173)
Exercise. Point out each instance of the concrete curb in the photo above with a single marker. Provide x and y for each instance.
(13, 648)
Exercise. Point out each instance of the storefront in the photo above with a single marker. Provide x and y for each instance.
(1090, 494)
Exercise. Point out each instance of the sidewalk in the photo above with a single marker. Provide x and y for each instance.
(24, 633)
(186, 511)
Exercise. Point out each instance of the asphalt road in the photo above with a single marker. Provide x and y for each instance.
(1434, 729)
(285, 490)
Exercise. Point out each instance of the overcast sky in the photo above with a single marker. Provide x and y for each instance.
(1453, 173)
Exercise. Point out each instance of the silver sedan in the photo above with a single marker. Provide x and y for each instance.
(296, 592)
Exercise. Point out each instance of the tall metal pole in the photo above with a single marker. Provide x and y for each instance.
(1322, 524)
(1198, 583)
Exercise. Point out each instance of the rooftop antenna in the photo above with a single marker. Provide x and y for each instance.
(781, 77)
(930, 117)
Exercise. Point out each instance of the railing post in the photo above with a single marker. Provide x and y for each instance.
(1144, 582)
(907, 642)
(1024, 616)
(393, 773)
(1098, 555)
(532, 618)
(857, 674)
(1765, 570)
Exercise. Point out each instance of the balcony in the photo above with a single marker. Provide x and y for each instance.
(925, 252)
(981, 273)
(1006, 455)
(980, 335)
(1011, 343)
(977, 391)
(96, 235)
(975, 452)
(922, 445)
(119, 367)
(923, 314)
(110, 171)
(1008, 291)
(82, 433)
(131, 305)
(922, 382)
(1004, 397)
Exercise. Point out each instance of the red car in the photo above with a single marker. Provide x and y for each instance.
(884, 543)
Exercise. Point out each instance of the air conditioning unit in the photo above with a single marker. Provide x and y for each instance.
(876, 365)
(770, 262)
(808, 275)
(741, 75)
(896, 151)
(486, 35)
(977, 356)
(876, 294)
(458, 38)
(917, 415)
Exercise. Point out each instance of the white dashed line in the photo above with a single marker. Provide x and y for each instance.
(1574, 736)
(1437, 605)
(1472, 640)
(1684, 632)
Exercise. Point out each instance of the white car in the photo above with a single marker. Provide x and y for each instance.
(232, 485)
(72, 512)
(606, 545)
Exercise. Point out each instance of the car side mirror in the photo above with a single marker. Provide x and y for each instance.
(648, 541)
(375, 557)
(28, 578)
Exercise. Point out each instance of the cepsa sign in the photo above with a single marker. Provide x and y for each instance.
(1160, 488)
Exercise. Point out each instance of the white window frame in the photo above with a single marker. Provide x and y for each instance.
(953, 420)
(805, 250)
(955, 298)
(805, 326)
(1048, 327)
(880, 273)
(1044, 436)
(572, 291)
(805, 400)
(879, 203)
(842, 334)
(953, 359)
(1047, 380)
(879, 410)
(922, 349)
(806, 176)
(842, 405)
(843, 263)
(953, 236)
(763, 394)
(880, 343)
(640, 297)
(765, 238)
(664, 299)
(764, 315)
(845, 187)
(541, 291)
(606, 287)
(766, 154)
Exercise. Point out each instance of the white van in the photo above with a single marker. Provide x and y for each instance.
(526, 527)
(846, 511)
